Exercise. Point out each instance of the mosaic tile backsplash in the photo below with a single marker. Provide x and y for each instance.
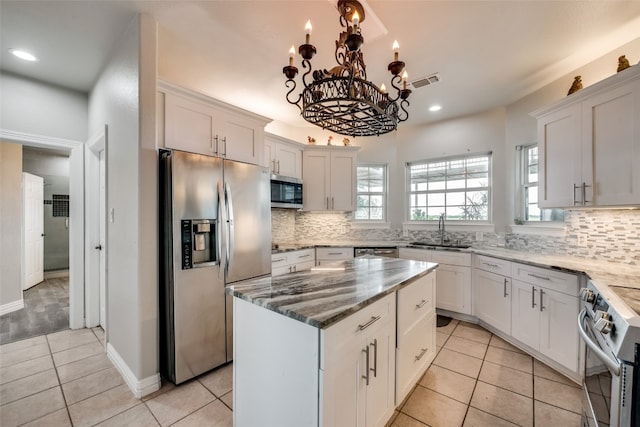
(612, 235)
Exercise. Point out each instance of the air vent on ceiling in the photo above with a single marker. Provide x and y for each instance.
(430, 79)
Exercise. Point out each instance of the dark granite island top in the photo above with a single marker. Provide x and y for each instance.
(323, 296)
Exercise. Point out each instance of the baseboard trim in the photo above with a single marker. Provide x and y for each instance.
(11, 306)
(55, 274)
(139, 388)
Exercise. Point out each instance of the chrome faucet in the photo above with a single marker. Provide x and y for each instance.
(441, 228)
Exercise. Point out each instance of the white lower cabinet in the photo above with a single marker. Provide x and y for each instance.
(492, 292)
(357, 368)
(290, 262)
(333, 256)
(545, 319)
(416, 345)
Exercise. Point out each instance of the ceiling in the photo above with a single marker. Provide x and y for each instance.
(488, 53)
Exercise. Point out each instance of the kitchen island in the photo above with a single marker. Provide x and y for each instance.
(319, 347)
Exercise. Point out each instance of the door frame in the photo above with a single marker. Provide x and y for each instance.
(93, 147)
(76, 210)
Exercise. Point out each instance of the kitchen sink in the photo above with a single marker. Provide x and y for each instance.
(432, 245)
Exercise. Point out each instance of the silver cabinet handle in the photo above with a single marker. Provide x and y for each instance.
(332, 204)
(422, 303)
(366, 352)
(491, 265)
(273, 168)
(304, 256)
(541, 296)
(423, 351)
(327, 203)
(533, 297)
(295, 268)
(538, 277)
(505, 288)
(279, 260)
(334, 253)
(584, 193)
(575, 187)
(278, 162)
(375, 358)
(216, 139)
(224, 141)
(373, 320)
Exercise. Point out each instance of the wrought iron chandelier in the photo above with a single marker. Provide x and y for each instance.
(341, 99)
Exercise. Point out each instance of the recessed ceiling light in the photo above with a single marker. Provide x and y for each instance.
(435, 108)
(23, 55)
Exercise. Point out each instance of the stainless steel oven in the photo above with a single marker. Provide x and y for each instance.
(610, 387)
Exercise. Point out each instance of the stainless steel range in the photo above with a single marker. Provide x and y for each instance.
(610, 330)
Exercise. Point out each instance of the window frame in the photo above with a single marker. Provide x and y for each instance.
(384, 194)
(524, 184)
(466, 156)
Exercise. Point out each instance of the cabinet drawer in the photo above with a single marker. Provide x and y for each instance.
(280, 260)
(330, 254)
(304, 265)
(493, 265)
(415, 352)
(350, 330)
(415, 301)
(562, 282)
(411, 253)
(451, 258)
(304, 255)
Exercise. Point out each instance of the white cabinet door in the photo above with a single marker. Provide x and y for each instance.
(453, 290)
(492, 299)
(559, 158)
(288, 160)
(317, 180)
(241, 139)
(611, 146)
(559, 338)
(188, 125)
(525, 314)
(268, 154)
(343, 180)
(380, 401)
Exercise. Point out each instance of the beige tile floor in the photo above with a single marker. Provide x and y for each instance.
(477, 379)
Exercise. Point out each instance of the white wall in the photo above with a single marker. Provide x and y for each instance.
(124, 99)
(10, 219)
(38, 108)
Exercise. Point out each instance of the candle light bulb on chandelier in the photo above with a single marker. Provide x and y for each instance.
(307, 30)
(396, 48)
(383, 88)
(355, 20)
(405, 76)
(292, 52)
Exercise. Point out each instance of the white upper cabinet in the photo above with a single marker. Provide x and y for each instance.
(282, 156)
(193, 122)
(329, 175)
(589, 145)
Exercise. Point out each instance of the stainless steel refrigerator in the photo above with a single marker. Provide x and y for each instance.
(215, 229)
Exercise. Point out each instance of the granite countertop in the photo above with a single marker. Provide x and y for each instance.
(321, 297)
(296, 246)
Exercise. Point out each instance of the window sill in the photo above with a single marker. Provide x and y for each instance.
(558, 230)
(450, 226)
(378, 225)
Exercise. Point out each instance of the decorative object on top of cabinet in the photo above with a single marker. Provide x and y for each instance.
(193, 122)
(329, 175)
(576, 85)
(346, 142)
(589, 145)
(311, 140)
(623, 63)
(329, 140)
(283, 156)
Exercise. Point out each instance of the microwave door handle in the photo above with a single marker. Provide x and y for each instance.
(221, 222)
(231, 233)
(613, 366)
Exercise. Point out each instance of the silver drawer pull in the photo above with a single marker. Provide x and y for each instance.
(304, 256)
(422, 303)
(334, 253)
(491, 265)
(279, 259)
(538, 277)
(422, 353)
(373, 320)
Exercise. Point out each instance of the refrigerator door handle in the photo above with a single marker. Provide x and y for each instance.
(231, 234)
(221, 221)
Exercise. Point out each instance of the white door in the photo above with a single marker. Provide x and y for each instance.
(103, 238)
(33, 209)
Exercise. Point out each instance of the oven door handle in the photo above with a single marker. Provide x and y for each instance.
(613, 366)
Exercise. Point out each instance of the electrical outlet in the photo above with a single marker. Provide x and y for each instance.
(405, 232)
(479, 236)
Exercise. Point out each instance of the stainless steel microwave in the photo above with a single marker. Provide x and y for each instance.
(286, 192)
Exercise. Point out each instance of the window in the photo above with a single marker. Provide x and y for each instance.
(459, 187)
(532, 211)
(371, 193)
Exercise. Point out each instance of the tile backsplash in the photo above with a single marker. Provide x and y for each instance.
(612, 234)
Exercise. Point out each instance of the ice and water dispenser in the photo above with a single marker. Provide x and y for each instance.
(199, 243)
